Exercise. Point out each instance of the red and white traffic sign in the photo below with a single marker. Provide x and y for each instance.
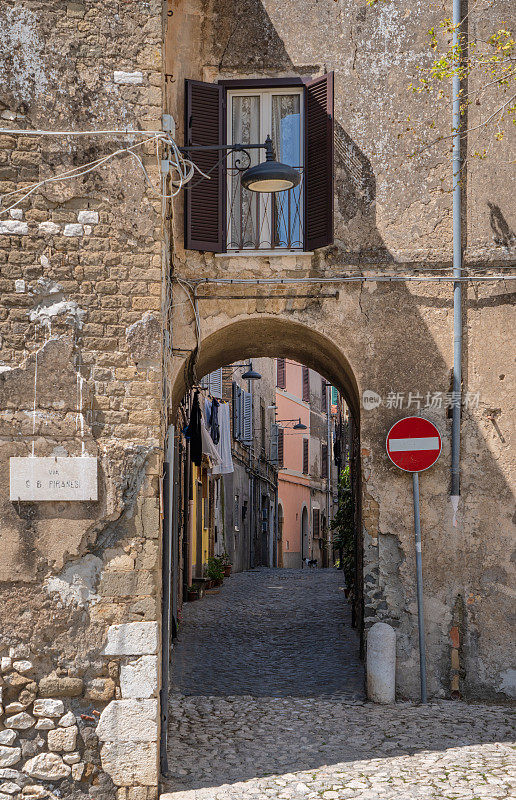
(413, 444)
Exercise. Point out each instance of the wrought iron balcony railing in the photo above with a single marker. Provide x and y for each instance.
(260, 221)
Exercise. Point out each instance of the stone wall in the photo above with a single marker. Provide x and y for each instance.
(80, 356)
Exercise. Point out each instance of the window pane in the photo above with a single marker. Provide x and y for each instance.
(243, 205)
(286, 136)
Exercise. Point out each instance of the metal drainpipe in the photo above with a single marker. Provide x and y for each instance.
(328, 468)
(457, 272)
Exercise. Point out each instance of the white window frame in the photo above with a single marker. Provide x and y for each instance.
(265, 130)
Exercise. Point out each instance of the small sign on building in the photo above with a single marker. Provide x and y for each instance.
(53, 478)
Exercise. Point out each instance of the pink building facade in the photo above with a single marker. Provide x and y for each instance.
(305, 498)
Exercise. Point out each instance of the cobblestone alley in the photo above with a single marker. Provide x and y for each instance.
(267, 701)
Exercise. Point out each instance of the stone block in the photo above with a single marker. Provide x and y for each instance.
(53, 685)
(73, 229)
(9, 788)
(9, 756)
(48, 228)
(137, 793)
(127, 77)
(100, 689)
(8, 737)
(139, 679)
(129, 721)
(72, 758)
(62, 740)
(88, 217)
(48, 708)
(14, 227)
(67, 720)
(45, 724)
(21, 721)
(47, 767)
(128, 765)
(77, 771)
(132, 639)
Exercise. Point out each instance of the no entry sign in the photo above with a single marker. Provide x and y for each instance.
(413, 444)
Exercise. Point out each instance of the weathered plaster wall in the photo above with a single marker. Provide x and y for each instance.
(80, 340)
(390, 212)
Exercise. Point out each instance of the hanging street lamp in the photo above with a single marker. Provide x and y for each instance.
(269, 176)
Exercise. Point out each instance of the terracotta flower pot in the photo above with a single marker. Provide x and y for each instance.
(191, 596)
(227, 570)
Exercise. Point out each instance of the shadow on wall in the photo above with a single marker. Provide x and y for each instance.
(245, 42)
(502, 233)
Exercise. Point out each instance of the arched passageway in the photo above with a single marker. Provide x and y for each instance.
(257, 336)
(306, 622)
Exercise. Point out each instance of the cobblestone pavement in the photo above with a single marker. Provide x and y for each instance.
(245, 738)
(270, 633)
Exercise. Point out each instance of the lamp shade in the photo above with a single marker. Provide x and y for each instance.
(270, 176)
(299, 426)
(251, 374)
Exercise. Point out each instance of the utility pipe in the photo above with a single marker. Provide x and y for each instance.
(457, 270)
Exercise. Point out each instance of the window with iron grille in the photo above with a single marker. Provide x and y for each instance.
(281, 381)
(305, 456)
(324, 461)
(306, 384)
(297, 113)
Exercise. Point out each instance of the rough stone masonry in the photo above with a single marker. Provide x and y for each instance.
(80, 265)
(81, 374)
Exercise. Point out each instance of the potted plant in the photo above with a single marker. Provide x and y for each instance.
(226, 564)
(192, 593)
(215, 570)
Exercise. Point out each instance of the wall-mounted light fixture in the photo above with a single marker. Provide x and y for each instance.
(269, 176)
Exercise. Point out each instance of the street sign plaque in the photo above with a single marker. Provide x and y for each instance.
(413, 444)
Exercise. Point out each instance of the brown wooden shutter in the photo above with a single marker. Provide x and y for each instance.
(306, 385)
(318, 178)
(204, 199)
(280, 373)
(324, 461)
(305, 456)
(281, 447)
(316, 523)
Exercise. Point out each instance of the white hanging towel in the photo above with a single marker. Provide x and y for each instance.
(224, 446)
(208, 448)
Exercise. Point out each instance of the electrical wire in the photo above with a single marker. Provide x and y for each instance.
(179, 164)
(348, 279)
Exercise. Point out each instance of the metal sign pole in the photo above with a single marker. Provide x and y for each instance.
(419, 574)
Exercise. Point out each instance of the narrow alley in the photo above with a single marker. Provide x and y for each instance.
(267, 700)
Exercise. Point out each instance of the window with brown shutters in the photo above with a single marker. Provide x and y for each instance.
(319, 162)
(281, 447)
(204, 199)
(305, 456)
(306, 385)
(324, 461)
(316, 523)
(281, 373)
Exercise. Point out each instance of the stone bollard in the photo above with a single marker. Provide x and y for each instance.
(381, 663)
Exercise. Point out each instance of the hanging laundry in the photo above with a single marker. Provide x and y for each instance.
(193, 431)
(208, 448)
(213, 421)
(224, 445)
